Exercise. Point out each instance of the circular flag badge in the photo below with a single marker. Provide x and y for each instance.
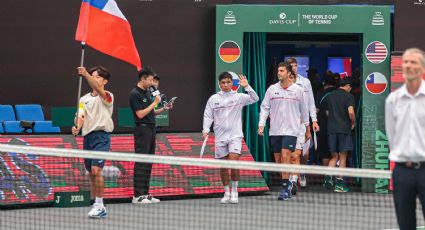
(376, 83)
(376, 52)
(229, 51)
(235, 80)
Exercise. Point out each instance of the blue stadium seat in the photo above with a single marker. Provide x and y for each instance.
(13, 127)
(7, 113)
(45, 127)
(1, 128)
(29, 112)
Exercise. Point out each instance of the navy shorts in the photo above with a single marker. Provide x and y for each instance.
(283, 142)
(340, 143)
(97, 141)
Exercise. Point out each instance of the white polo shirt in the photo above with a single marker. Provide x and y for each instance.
(225, 110)
(405, 124)
(287, 110)
(97, 113)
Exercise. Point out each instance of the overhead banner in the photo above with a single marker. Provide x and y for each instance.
(371, 22)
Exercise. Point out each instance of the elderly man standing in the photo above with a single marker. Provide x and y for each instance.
(405, 123)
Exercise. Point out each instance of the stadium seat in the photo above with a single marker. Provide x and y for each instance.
(45, 127)
(1, 128)
(32, 112)
(7, 113)
(13, 127)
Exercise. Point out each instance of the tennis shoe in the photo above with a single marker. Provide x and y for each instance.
(98, 211)
(303, 180)
(141, 200)
(226, 198)
(286, 193)
(234, 198)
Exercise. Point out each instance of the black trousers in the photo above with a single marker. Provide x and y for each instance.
(144, 142)
(409, 183)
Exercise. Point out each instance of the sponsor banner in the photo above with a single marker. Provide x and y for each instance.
(27, 179)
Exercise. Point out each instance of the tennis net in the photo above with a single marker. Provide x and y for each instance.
(48, 188)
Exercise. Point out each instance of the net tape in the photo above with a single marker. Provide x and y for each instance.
(174, 160)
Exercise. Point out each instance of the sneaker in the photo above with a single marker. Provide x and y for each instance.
(294, 189)
(329, 184)
(98, 211)
(152, 199)
(303, 181)
(234, 198)
(141, 200)
(226, 198)
(340, 187)
(285, 193)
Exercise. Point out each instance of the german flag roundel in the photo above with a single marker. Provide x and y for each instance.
(229, 51)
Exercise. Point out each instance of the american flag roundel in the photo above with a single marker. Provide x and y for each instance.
(376, 52)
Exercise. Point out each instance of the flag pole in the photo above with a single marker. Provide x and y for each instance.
(83, 45)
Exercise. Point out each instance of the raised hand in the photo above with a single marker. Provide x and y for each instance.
(243, 81)
(83, 72)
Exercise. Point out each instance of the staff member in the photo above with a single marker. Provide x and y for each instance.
(143, 106)
(405, 123)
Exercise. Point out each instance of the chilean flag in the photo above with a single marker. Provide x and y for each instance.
(102, 26)
(376, 83)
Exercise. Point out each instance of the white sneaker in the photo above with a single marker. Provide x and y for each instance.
(98, 211)
(141, 200)
(152, 199)
(226, 198)
(303, 180)
(234, 198)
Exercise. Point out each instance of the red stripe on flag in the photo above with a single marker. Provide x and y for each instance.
(376, 88)
(229, 51)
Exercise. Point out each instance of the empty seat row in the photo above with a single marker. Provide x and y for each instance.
(12, 120)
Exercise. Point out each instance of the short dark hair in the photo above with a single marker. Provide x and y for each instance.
(287, 66)
(291, 60)
(156, 77)
(101, 71)
(329, 80)
(146, 72)
(224, 75)
(346, 81)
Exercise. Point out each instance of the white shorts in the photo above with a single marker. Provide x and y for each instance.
(301, 138)
(223, 148)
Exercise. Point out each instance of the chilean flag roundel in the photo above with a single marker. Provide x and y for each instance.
(376, 83)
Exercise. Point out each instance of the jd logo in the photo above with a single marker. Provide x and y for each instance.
(58, 198)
